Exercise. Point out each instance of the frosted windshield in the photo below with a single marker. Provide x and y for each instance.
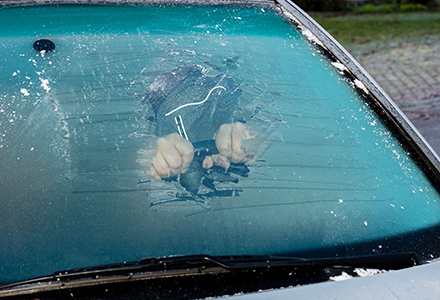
(79, 130)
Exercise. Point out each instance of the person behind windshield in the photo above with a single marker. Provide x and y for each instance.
(189, 106)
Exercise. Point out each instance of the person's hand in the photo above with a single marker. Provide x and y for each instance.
(173, 156)
(228, 140)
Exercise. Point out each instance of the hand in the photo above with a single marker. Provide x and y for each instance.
(173, 156)
(228, 140)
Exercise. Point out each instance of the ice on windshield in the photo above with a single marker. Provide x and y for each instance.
(80, 124)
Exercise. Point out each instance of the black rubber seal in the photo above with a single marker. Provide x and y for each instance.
(44, 45)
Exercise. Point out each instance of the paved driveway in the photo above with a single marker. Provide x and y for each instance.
(410, 74)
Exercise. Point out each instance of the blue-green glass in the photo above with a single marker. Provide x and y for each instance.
(74, 145)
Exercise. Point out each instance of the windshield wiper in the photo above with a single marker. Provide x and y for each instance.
(157, 267)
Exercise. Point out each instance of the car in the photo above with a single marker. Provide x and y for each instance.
(286, 165)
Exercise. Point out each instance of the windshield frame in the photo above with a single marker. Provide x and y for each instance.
(372, 93)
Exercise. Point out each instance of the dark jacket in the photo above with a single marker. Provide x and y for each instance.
(192, 84)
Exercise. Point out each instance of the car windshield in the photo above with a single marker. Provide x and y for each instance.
(87, 91)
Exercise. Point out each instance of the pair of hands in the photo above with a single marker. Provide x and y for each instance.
(174, 154)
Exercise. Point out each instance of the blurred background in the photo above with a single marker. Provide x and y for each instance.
(398, 43)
